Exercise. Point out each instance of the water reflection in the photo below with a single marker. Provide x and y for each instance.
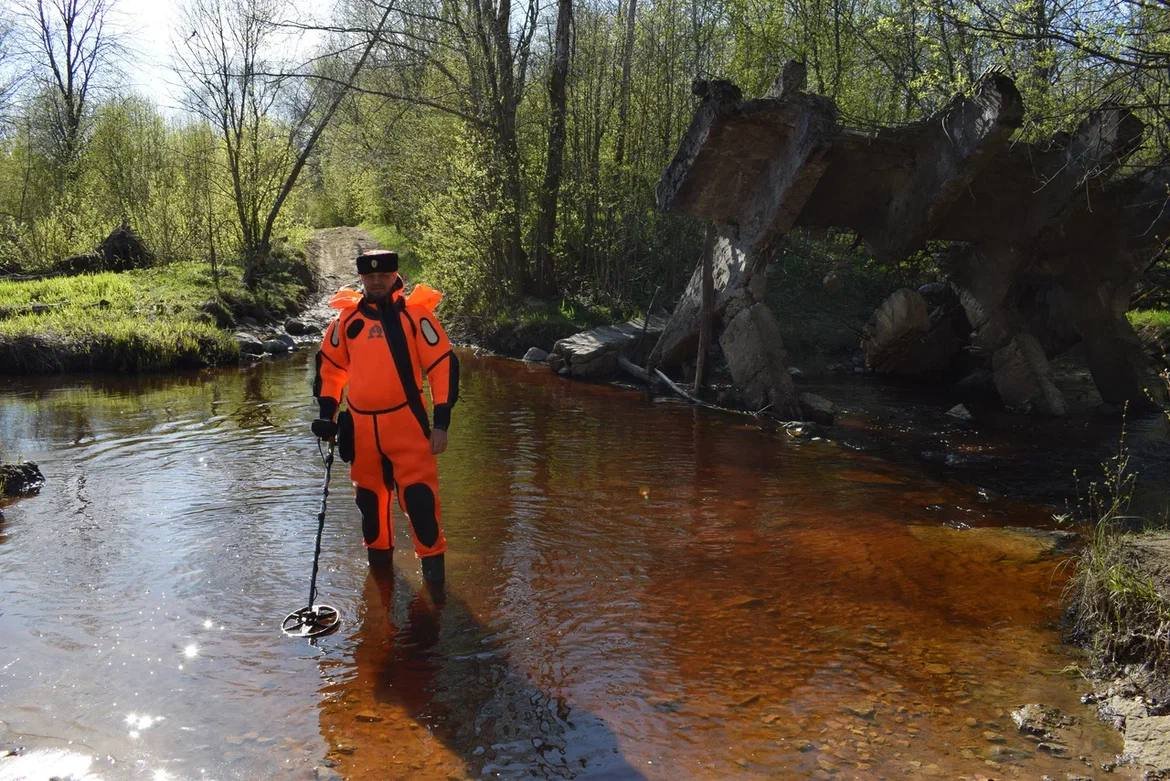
(433, 694)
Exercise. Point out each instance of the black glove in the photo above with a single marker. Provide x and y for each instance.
(324, 428)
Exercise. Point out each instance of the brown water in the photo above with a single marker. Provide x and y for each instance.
(635, 590)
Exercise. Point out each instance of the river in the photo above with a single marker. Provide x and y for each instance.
(635, 589)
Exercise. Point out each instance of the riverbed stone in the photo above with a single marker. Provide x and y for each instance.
(1042, 721)
(1052, 748)
(1147, 742)
(535, 355)
(367, 716)
(862, 710)
(276, 347)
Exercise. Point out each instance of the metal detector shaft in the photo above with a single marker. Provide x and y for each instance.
(321, 524)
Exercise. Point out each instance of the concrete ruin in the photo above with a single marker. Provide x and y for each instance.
(1044, 243)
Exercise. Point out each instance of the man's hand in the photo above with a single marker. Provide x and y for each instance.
(324, 428)
(438, 440)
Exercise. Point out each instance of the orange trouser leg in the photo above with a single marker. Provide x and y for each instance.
(373, 481)
(416, 478)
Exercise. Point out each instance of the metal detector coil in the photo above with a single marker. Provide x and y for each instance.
(315, 620)
(311, 621)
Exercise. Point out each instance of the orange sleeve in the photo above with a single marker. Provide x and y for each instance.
(332, 367)
(438, 363)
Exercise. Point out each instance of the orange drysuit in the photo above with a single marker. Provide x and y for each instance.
(379, 355)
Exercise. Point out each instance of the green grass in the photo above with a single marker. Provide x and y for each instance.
(142, 320)
(1150, 318)
(410, 265)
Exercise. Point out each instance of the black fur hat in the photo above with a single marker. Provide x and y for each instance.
(373, 261)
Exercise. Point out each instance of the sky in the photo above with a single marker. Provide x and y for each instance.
(149, 27)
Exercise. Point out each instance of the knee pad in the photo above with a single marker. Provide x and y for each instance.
(367, 502)
(420, 506)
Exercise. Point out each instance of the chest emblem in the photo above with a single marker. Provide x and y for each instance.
(376, 332)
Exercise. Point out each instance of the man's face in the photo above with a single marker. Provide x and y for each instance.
(379, 283)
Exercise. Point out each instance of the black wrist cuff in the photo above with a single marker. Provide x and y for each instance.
(328, 407)
(442, 416)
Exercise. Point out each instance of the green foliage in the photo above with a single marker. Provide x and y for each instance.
(162, 177)
(457, 241)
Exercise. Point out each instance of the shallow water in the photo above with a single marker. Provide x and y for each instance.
(635, 589)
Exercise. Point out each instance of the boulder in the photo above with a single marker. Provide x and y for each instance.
(249, 344)
(535, 355)
(818, 409)
(277, 346)
(1147, 742)
(23, 479)
(755, 356)
(959, 412)
(1023, 377)
(299, 327)
(594, 354)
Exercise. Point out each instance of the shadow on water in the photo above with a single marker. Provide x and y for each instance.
(433, 694)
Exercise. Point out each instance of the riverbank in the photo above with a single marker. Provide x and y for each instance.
(1119, 609)
(172, 316)
(1153, 328)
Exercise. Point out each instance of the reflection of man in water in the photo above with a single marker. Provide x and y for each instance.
(422, 663)
(377, 350)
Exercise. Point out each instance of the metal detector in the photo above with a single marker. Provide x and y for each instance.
(315, 620)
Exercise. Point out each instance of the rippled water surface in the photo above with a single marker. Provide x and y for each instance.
(635, 589)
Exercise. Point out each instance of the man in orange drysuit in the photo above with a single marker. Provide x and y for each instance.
(378, 348)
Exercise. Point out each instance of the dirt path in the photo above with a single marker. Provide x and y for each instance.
(332, 251)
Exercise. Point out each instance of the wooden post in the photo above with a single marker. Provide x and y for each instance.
(707, 304)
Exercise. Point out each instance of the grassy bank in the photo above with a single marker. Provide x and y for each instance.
(1153, 328)
(1119, 595)
(150, 319)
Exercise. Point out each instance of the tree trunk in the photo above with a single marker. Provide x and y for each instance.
(624, 100)
(547, 222)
